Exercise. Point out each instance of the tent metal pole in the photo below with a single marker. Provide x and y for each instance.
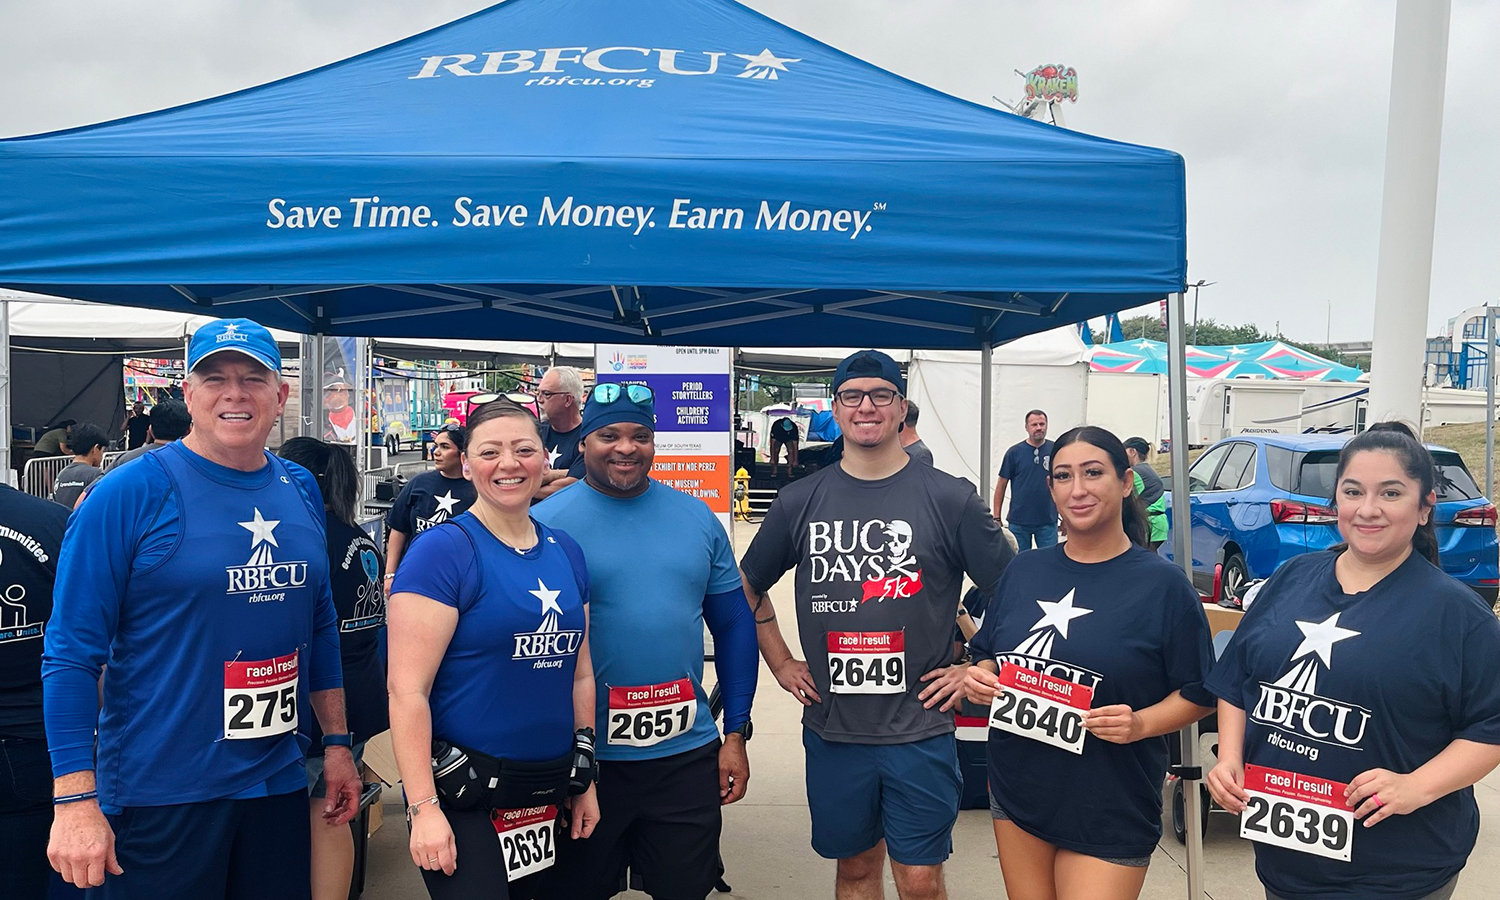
(986, 412)
(1489, 401)
(5, 470)
(1182, 552)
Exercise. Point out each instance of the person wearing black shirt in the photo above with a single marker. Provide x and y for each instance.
(354, 567)
(1360, 698)
(430, 498)
(136, 425)
(560, 396)
(1101, 648)
(31, 531)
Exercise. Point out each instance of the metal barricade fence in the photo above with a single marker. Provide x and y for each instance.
(41, 472)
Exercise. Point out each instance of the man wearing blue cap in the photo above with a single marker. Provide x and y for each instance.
(199, 574)
(660, 566)
(880, 545)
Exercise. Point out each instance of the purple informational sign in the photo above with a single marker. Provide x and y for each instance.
(694, 402)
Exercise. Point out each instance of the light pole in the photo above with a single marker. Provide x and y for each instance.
(1200, 283)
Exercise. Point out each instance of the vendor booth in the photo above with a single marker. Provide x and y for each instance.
(604, 171)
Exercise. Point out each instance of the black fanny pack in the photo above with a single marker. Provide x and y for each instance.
(469, 779)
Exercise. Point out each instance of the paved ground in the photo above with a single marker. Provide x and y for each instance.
(766, 848)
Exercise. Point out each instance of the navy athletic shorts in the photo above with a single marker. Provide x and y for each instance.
(905, 793)
(230, 849)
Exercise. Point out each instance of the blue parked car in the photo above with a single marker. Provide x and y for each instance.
(1259, 500)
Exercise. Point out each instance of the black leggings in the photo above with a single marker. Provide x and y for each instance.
(481, 864)
(25, 818)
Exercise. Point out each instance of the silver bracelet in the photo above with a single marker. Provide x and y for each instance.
(414, 808)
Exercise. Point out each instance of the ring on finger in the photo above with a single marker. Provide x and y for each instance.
(1378, 802)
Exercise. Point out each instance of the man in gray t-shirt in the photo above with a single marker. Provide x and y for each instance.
(87, 443)
(880, 544)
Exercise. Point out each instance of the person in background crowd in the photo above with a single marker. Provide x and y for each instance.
(54, 441)
(31, 533)
(880, 545)
(1032, 517)
(168, 421)
(136, 424)
(560, 395)
(1149, 488)
(784, 434)
(489, 656)
(1075, 789)
(87, 443)
(429, 499)
(910, 440)
(354, 567)
(660, 567)
(1367, 675)
(199, 573)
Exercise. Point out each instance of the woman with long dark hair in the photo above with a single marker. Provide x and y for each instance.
(354, 567)
(1359, 700)
(1100, 647)
(491, 682)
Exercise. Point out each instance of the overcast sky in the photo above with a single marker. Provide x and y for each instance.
(1279, 108)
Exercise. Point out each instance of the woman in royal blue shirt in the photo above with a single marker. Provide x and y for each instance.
(1359, 700)
(489, 654)
(1101, 647)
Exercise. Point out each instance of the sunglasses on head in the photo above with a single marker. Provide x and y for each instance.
(513, 396)
(638, 394)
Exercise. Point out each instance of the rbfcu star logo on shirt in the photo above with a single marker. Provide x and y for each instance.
(1293, 704)
(550, 643)
(445, 510)
(1036, 649)
(262, 577)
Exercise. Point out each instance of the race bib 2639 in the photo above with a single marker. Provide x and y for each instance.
(1297, 812)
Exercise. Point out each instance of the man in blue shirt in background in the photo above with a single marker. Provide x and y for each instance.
(1032, 517)
(200, 790)
(660, 565)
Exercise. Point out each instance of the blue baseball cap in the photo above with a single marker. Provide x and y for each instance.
(869, 364)
(623, 407)
(239, 335)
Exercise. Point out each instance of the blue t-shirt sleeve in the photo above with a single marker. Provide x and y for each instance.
(1187, 651)
(93, 569)
(399, 516)
(578, 562)
(1478, 715)
(724, 575)
(439, 567)
(1008, 465)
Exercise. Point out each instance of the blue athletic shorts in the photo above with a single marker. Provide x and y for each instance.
(905, 793)
(218, 850)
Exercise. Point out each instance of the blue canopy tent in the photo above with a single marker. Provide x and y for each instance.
(653, 171)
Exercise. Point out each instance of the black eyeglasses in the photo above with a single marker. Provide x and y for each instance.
(609, 392)
(544, 395)
(880, 397)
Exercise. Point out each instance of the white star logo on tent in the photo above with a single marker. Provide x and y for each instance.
(1144, 345)
(1237, 351)
(446, 502)
(764, 65)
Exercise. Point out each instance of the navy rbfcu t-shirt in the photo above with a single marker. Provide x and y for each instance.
(1026, 468)
(1336, 684)
(1131, 628)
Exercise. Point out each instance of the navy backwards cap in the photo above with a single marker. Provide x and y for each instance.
(239, 335)
(869, 364)
(597, 414)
